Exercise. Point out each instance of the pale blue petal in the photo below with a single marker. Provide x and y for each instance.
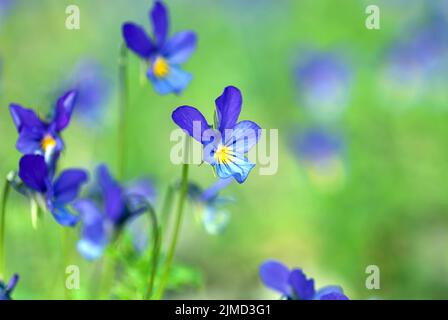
(238, 167)
(175, 82)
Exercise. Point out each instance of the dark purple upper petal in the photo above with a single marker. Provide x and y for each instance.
(275, 275)
(137, 40)
(160, 23)
(64, 109)
(303, 287)
(228, 106)
(114, 203)
(191, 120)
(180, 47)
(66, 187)
(25, 118)
(12, 283)
(34, 173)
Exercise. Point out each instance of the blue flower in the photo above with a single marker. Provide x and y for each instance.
(322, 155)
(5, 8)
(56, 194)
(117, 206)
(163, 55)
(93, 90)
(416, 65)
(37, 136)
(7, 289)
(294, 285)
(225, 145)
(317, 146)
(323, 81)
(211, 205)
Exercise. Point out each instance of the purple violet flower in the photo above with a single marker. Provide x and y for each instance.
(323, 81)
(294, 285)
(118, 206)
(37, 136)
(322, 154)
(227, 143)
(163, 55)
(57, 193)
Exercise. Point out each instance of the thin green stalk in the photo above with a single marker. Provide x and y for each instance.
(155, 248)
(124, 104)
(166, 209)
(167, 206)
(5, 194)
(66, 260)
(172, 248)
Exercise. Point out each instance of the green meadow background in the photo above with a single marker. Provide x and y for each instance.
(390, 208)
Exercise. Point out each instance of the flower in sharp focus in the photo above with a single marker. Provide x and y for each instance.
(7, 289)
(37, 136)
(164, 55)
(321, 154)
(211, 205)
(93, 90)
(227, 143)
(323, 81)
(294, 285)
(117, 206)
(56, 194)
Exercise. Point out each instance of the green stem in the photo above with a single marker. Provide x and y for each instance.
(5, 194)
(172, 248)
(66, 260)
(167, 206)
(155, 248)
(124, 102)
(166, 209)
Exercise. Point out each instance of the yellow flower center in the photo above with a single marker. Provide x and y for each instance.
(48, 142)
(161, 67)
(222, 154)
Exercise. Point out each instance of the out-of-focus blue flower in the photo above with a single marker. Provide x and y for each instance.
(416, 64)
(7, 289)
(102, 221)
(38, 136)
(324, 83)
(213, 207)
(225, 145)
(56, 194)
(294, 285)
(321, 153)
(93, 90)
(163, 55)
(5, 8)
(139, 225)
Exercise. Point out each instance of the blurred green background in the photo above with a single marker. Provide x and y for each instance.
(387, 206)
